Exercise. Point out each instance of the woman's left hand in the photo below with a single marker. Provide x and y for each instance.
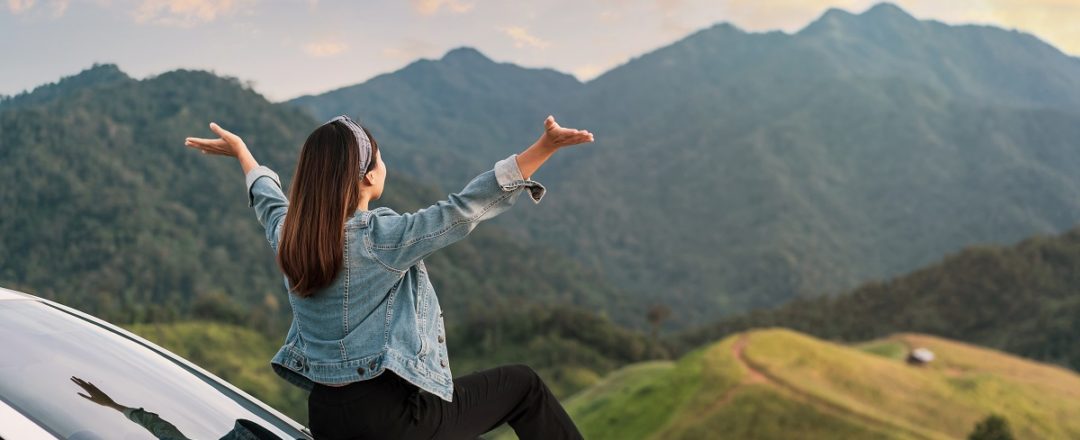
(94, 394)
(558, 136)
(228, 144)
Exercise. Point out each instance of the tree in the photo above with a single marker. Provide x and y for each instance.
(656, 315)
(994, 427)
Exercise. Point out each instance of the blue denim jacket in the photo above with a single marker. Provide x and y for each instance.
(381, 311)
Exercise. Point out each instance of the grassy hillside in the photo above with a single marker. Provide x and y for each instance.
(778, 383)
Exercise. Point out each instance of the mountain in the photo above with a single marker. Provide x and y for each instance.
(107, 211)
(737, 170)
(779, 384)
(98, 75)
(448, 117)
(1022, 298)
(981, 63)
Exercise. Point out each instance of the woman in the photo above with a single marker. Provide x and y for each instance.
(367, 336)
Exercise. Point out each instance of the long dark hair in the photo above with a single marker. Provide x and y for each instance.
(325, 191)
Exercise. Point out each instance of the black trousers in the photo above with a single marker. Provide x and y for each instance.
(389, 407)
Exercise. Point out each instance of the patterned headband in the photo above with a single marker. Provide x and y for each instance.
(361, 139)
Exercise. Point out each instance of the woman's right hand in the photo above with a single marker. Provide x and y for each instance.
(557, 137)
(228, 144)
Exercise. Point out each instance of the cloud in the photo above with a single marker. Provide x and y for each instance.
(20, 6)
(186, 13)
(429, 7)
(590, 71)
(523, 38)
(1053, 20)
(59, 7)
(587, 72)
(325, 48)
(56, 7)
(788, 15)
(410, 50)
(609, 16)
(669, 5)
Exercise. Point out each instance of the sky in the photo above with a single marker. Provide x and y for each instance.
(288, 48)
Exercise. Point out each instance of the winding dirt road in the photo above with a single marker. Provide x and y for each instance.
(758, 374)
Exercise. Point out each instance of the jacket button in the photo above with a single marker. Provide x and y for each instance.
(442, 362)
(371, 364)
(441, 338)
(360, 370)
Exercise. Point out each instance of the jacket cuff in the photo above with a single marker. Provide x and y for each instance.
(254, 175)
(509, 177)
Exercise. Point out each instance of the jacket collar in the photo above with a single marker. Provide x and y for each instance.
(363, 218)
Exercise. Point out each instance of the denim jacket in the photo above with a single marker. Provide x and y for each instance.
(381, 311)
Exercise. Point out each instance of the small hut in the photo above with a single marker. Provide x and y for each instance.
(920, 356)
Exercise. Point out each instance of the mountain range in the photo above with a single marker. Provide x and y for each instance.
(732, 170)
(736, 170)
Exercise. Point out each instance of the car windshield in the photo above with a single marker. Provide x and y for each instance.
(79, 380)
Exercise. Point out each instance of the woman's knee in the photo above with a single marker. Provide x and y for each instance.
(524, 373)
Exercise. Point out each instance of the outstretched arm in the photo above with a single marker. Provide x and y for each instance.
(400, 241)
(265, 195)
(157, 426)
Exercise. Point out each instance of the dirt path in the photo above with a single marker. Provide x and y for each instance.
(738, 349)
(752, 376)
(757, 374)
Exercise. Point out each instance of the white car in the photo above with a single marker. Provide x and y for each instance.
(66, 374)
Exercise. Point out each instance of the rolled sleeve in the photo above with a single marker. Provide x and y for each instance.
(254, 175)
(401, 240)
(508, 174)
(152, 422)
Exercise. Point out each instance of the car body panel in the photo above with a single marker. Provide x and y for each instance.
(113, 336)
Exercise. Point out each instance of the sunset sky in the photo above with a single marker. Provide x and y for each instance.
(295, 47)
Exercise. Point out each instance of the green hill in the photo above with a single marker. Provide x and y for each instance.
(1023, 298)
(779, 384)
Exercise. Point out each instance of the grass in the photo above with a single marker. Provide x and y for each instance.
(789, 385)
(887, 348)
(760, 411)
